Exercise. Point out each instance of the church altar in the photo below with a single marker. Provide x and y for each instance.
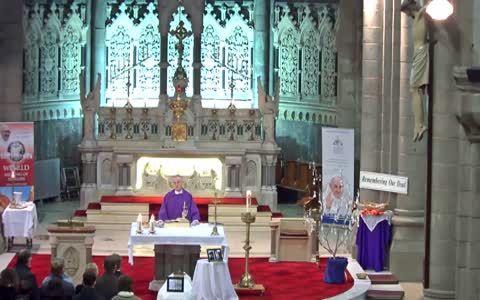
(136, 150)
(176, 248)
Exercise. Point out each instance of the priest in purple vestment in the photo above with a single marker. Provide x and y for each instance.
(174, 201)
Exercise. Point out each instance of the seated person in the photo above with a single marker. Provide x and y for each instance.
(118, 264)
(90, 267)
(58, 280)
(28, 280)
(88, 291)
(107, 284)
(174, 203)
(125, 289)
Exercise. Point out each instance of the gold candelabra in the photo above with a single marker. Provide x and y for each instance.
(246, 281)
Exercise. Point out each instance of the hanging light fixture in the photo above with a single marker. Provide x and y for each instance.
(440, 9)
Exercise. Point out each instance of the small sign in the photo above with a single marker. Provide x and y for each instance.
(214, 255)
(175, 284)
(383, 182)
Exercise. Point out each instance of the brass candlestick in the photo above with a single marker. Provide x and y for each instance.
(246, 280)
(215, 202)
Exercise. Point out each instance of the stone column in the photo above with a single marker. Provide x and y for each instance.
(233, 164)
(274, 227)
(97, 47)
(197, 63)
(88, 189)
(260, 45)
(269, 189)
(445, 130)
(371, 87)
(11, 53)
(163, 64)
(407, 250)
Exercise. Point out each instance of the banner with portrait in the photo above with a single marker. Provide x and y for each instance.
(16, 160)
(337, 174)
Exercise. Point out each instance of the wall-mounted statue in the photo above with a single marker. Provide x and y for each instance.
(268, 106)
(419, 76)
(90, 105)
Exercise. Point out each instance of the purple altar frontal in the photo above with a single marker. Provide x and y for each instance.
(372, 244)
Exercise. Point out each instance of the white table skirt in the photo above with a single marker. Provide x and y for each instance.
(195, 235)
(212, 281)
(20, 222)
(187, 294)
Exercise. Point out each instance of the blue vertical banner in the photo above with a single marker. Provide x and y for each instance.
(338, 150)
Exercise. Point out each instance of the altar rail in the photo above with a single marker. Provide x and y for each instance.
(242, 125)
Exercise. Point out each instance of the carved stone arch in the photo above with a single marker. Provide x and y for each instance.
(251, 180)
(325, 24)
(292, 115)
(286, 22)
(331, 120)
(119, 34)
(147, 40)
(309, 39)
(71, 52)
(314, 118)
(300, 116)
(106, 171)
(32, 36)
(49, 53)
(325, 119)
(307, 117)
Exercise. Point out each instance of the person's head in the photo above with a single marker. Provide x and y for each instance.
(177, 183)
(92, 267)
(336, 186)
(409, 7)
(9, 278)
(4, 132)
(54, 289)
(109, 265)
(24, 258)
(57, 266)
(89, 278)
(125, 283)
(118, 261)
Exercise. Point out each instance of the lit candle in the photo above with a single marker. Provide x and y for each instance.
(139, 223)
(249, 199)
(12, 174)
(152, 223)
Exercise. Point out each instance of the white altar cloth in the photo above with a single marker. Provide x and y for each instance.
(187, 294)
(195, 235)
(372, 221)
(20, 222)
(212, 281)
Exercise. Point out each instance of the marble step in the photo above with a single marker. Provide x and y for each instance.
(125, 207)
(110, 216)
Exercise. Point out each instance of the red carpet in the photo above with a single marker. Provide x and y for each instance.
(286, 280)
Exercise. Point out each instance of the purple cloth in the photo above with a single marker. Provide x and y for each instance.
(372, 245)
(172, 206)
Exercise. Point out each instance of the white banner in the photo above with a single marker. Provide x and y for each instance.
(337, 174)
(383, 182)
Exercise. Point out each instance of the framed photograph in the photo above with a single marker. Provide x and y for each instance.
(175, 284)
(215, 254)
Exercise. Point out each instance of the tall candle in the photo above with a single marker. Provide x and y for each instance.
(249, 199)
(12, 174)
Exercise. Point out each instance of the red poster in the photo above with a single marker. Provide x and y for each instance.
(16, 156)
